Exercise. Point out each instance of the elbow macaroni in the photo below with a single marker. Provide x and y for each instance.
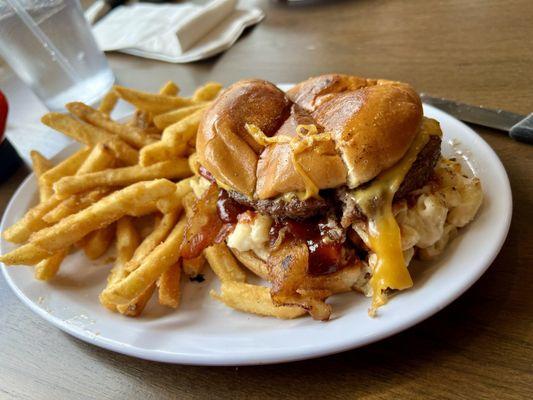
(428, 225)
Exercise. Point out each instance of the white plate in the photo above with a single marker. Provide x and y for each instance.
(206, 332)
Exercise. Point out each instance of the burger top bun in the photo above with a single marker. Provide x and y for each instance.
(369, 125)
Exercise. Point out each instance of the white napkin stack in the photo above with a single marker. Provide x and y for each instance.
(177, 33)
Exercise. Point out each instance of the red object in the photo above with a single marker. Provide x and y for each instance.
(3, 115)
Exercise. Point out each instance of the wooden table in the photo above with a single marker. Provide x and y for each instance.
(481, 346)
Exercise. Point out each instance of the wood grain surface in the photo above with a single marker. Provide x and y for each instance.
(480, 347)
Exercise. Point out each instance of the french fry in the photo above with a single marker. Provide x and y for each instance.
(137, 305)
(171, 117)
(174, 201)
(158, 151)
(183, 130)
(123, 151)
(98, 159)
(40, 165)
(194, 163)
(108, 103)
(254, 299)
(156, 237)
(154, 103)
(223, 263)
(27, 254)
(130, 134)
(97, 242)
(67, 167)
(252, 262)
(127, 241)
(32, 221)
(158, 261)
(207, 92)
(193, 266)
(169, 291)
(173, 141)
(169, 89)
(141, 119)
(132, 200)
(73, 204)
(178, 168)
(129, 245)
(90, 135)
(47, 268)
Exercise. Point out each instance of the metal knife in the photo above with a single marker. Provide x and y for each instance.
(519, 127)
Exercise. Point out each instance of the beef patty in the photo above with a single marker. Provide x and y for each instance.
(280, 208)
(295, 208)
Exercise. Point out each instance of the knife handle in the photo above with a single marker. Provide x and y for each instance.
(523, 130)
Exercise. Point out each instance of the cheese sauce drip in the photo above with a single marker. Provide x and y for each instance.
(306, 137)
(375, 201)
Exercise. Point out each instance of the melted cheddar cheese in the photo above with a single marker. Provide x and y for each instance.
(375, 201)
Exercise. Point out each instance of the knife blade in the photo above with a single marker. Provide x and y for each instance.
(519, 127)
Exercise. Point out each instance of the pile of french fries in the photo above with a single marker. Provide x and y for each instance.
(124, 171)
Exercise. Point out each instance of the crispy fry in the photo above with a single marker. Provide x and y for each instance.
(47, 268)
(137, 305)
(184, 130)
(207, 92)
(90, 135)
(132, 200)
(169, 89)
(73, 204)
(171, 117)
(159, 151)
(127, 241)
(254, 299)
(141, 119)
(252, 262)
(193, 266)
(169, 286)
(154, 103)
(223, 263)
(40, 165)
(158, 261)
(108, 103)
(99, 158)
(27, 254)
(194, 163)
(173, 141)
(97, 242)
(178, 168)
(123, 151)
(174, 201)
(156, 237)
(67, 167)
(31, 222)
(130, 134)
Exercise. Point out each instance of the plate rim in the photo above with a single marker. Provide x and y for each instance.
(261, 358)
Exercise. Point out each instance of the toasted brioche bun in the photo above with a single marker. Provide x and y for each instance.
(372, 124)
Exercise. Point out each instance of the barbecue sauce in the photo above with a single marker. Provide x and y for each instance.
(325, 253)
